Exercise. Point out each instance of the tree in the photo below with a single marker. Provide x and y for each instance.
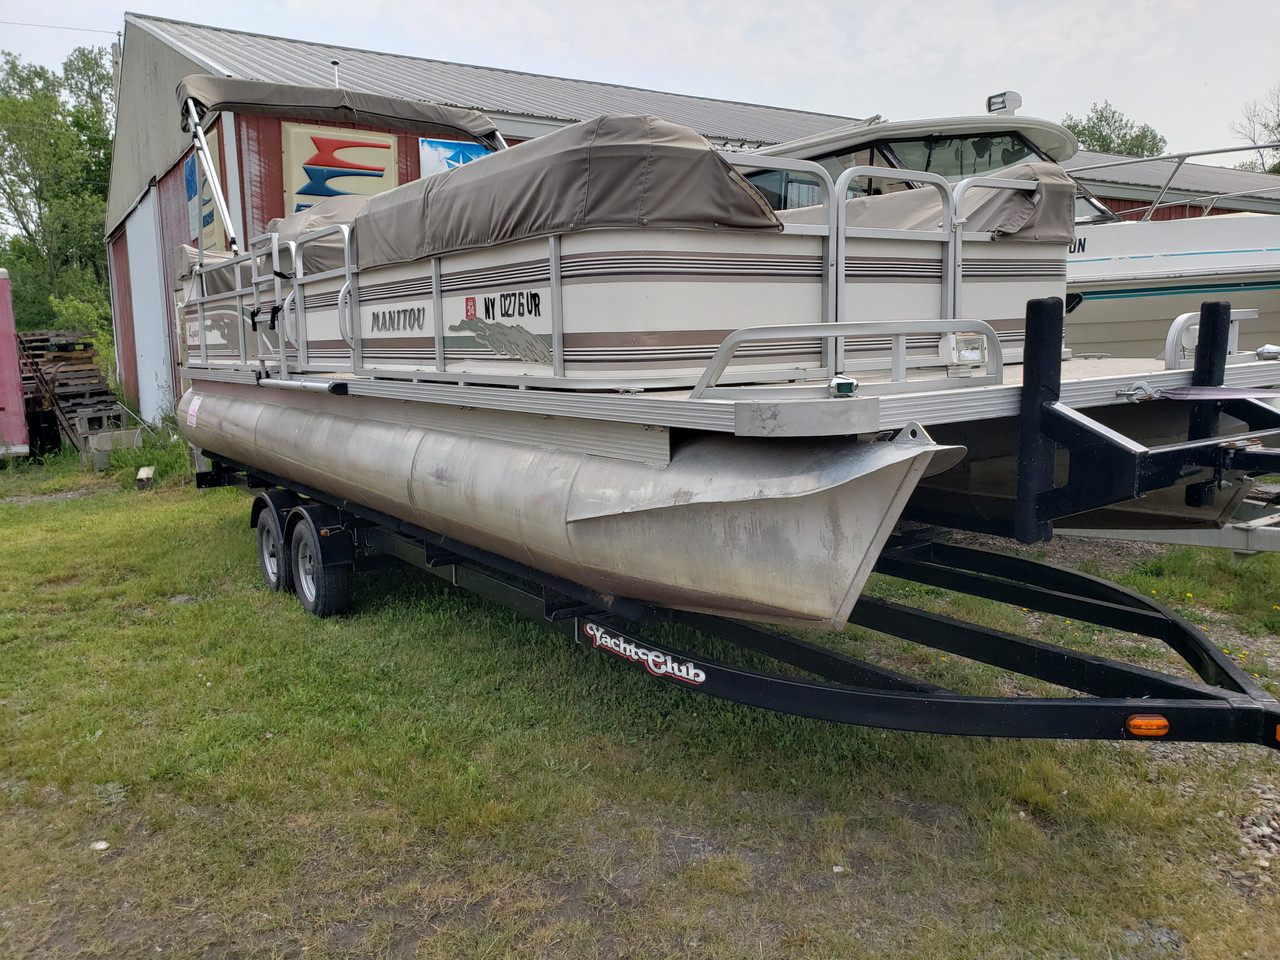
(1259, 124)
(55, 161)
(1106, 130)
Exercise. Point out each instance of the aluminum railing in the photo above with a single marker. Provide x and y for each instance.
(265, 253)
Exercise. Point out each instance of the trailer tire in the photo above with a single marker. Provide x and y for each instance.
(273, 553)
(321, 588)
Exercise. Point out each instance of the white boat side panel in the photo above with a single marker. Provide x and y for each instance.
(1135, 278)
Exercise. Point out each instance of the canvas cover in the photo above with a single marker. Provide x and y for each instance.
(218, 277)
(294, 102)
(322, 254)
(1046, 215)
(614, 171)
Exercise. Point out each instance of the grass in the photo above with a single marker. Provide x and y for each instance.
(432, 776)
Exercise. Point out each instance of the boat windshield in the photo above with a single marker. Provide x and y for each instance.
(954, 157)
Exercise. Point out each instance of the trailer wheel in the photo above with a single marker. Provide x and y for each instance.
(273, 555)
(322, 588)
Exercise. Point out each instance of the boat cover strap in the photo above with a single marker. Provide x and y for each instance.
(615, 171)
(297, 102)
(1219, 393)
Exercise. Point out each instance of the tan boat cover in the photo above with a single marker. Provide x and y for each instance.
(218, 277)
(263, 98)
(318, 256)
(1046, 215)
(614, 171)
(326, 252)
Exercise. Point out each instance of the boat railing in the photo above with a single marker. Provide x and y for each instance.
(239, 292)
(965, 346)
(1178, 159)
(264, 253)
(945, 235)
(958, 231)
(883, 346)
(1180, 341)
(348, 296)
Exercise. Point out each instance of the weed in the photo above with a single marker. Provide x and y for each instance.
(162, 448)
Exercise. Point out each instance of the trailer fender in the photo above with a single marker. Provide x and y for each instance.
(337, 548)
(280, 501)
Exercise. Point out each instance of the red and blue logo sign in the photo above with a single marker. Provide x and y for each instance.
(326, 165)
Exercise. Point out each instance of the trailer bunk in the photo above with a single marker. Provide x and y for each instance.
(312, 542)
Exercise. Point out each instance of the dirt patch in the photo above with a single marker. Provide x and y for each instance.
(27, 499)
(1112, 558)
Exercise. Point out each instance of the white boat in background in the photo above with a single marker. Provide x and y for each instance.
(1126, 281)
(1132, 275)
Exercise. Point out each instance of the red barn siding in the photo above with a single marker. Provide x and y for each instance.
(261, 176)
(122, 310)
(1181, 211)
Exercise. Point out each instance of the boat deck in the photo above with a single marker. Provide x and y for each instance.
(795, 409)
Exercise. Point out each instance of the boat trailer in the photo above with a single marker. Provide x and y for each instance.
(1117, 701)
(325, 539)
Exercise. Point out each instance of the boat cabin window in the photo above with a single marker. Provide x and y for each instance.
(786, 190)
(953, 157)
(1089, 209)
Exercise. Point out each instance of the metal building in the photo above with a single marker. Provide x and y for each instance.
(272, 165)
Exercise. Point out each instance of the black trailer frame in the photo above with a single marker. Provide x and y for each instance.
(1118, 701)
(332, 537)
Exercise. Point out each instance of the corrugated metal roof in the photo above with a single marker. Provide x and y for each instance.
(1194, 179)
(256, 57)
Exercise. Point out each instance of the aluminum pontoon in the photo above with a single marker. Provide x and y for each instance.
(597, 375)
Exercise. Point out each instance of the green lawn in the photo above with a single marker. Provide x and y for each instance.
(431, 776)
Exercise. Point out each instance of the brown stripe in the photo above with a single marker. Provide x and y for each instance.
(398, 343)
(645, 338)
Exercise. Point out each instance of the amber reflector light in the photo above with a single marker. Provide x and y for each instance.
(1147, 725)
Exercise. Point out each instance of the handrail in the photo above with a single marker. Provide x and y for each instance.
(832, 265)
(344, 328)
(899, 330)
(1213, 198)
(1181, 158)
(1173, 359)
(841, 226)
(287, 310)
(958, 222)
(1128, 161)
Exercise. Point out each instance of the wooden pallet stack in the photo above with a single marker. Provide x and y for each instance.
(60, 374)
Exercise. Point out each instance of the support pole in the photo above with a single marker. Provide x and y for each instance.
(1209, 371)
(1041, 384)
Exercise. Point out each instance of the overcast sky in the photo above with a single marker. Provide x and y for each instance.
(1187, 67)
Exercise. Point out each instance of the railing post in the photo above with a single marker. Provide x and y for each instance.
(1210, 368)
(1041, 384)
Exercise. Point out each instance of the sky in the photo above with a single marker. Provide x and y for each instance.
(1186, 67)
